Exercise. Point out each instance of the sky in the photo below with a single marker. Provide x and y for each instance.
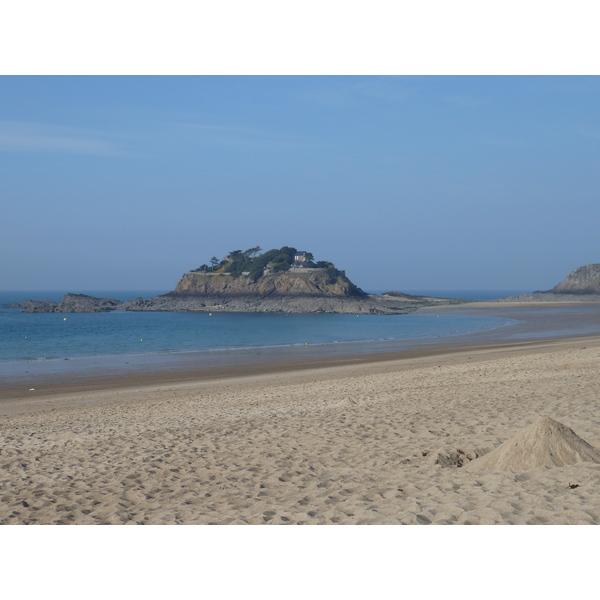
(406, 182)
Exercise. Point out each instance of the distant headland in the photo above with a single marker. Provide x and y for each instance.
(581, 285)
(283, 280)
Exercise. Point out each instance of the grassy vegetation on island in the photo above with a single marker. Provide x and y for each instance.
(252, 262)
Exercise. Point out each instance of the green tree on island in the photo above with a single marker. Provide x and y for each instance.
(254, 264)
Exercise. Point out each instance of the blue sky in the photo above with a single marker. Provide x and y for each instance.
(407, 182)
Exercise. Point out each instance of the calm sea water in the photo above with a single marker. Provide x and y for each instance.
(25, 337)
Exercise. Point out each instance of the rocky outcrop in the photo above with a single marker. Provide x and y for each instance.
(421, 298)
(584, 280)
(298, 290)
(71, 303)
(35, 306)
(295, 282)
(367, 304)
(581, 285)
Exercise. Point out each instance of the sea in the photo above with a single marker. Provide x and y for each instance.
(26, 337)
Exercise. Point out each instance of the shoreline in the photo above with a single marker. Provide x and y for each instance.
(534, 325)
(55, 386)
(59, 394)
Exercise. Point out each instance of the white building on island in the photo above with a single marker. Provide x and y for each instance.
(300, 259)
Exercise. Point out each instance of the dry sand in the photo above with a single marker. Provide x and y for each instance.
(375, 443)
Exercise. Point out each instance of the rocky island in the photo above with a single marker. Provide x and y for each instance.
(279, 280)
(71, 303)
(581, 285)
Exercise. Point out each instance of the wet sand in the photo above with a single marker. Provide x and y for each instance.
(356, 439)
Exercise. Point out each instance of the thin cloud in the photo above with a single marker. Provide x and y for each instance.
(239, 137)
(345, 91)
(38, 137)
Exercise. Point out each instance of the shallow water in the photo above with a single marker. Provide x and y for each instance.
(105, 345)
(58, 335)
(120, 341)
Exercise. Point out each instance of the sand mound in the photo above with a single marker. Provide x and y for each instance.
(546, 443)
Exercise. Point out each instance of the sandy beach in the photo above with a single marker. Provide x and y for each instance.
(383, 440)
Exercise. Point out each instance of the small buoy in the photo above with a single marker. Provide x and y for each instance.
(26, 338)
(141, 340)
(305, 343)
(210, 314)
(65, 319)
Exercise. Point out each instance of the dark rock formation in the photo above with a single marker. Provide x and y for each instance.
(35, 306)
(71, 303)
(275, 303)
(420, 298)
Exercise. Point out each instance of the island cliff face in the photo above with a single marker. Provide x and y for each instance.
(293, 291)
(295, 282)
(581, 285)
(584, 280)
